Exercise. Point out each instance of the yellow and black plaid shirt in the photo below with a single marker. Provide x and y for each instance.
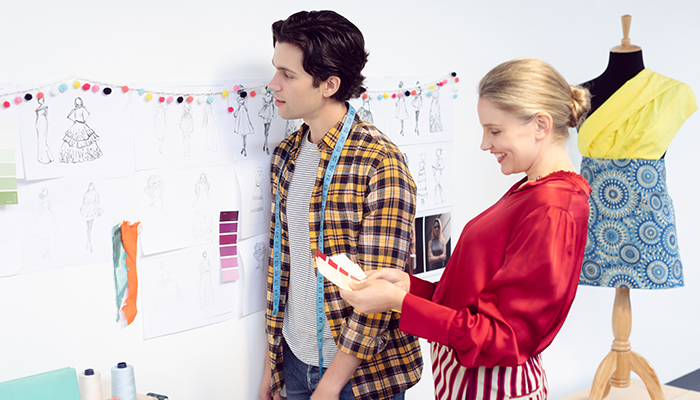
(369, 213)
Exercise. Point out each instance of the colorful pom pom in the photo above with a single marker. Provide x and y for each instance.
(95, 88)
(86, 86)
(54, 91)
(149, 97)
(63, 87)
(190, 99)
(393, 95)
(40, 95)
(28, 96)
(252, 93)
(364, 96)
(170, 99)
(230, 109)
(413, 92)
(454, 96)
(224, 93)
(379, 97)
(386, 95)
(236, 88)
(180, 99)
(18, 100)
(125, 89)
(142, 91)
(456, 80)
(210, 99)
(76, 84)
(107, 91)
(6, 104)
(432, 87)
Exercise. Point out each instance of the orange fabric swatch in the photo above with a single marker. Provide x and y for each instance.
(129, 236)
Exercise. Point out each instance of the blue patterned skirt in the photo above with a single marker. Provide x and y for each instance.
(632, 240)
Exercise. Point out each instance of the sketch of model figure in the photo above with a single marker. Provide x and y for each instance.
(169, 293)
(401, 112)
(186, 126)
(267, 113)
(46, 228)
(156, 221)
(258, 281)
(257, 216)
(292, 126)
(44, 155)
(90, 209)
(211, 128)
(80, 141)
(417, 104)
(364, 111)
(159, 123)
(242, 125)
(435, 117)
(422, 183)
(206, 293)
(202, 227)
(437, 174)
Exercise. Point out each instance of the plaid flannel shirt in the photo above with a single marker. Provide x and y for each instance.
(369, 212)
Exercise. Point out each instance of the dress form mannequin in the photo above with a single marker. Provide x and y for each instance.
(625, 62)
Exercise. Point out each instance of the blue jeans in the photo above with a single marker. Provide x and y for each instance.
(302, 379)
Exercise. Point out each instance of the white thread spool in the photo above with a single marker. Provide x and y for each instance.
(90, 384)
(123, 382)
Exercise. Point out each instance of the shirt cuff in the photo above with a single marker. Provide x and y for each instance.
(360, 345)
(423, 318)
(421, 288)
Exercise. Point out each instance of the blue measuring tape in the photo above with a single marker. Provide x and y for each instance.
(277, 257)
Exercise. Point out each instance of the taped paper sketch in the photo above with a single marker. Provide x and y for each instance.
(292, 126)
(159, 118)
(438, 167)
(267, 113)
(364, 111)
(44, 155)
(186, 126)
(213, 135)
(422, 183)
(258, 280)
(203, 223)
(80, 141)
(168, 292)
(257, 215)
(206, 293)
(156, 221)
(90, 209)
(435, 116)
(46, 228)
(401, 112)
(242, 124)
(417, 104)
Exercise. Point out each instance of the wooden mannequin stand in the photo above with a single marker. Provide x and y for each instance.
(616, 366)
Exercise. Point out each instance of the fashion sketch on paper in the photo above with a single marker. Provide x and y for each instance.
(435, 116)
(202, 224)
(80, 141)
(364, 112)
(206, 293)
(46, 228)
(186, 126)
(422, 182)
(292, 126)
(211, 129)
(258, 276)
(417, 104)
(44, 155)
(401, 112)
(159, 114)
(438, 167)
(169, 293)
(90, 209)
(156, 222)
(242, 124)
(267, 113)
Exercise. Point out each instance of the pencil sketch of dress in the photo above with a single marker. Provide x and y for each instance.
(159, 115)
(168, 293)
(242, 124)
(422, 183)
(44, 155)
(401, 112)
(90, 209)
(364, 111)
(202, 228)
(417, 104)
(435, 117)
(186, 126)
(206, 293)
(257, 216)
(438, 167)
(267, 113)
(258, 280)
(213, 135)
(292, 126)
(156, 222)
(80, 141)
(46, 228)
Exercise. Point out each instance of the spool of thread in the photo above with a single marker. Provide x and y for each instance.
(90, 384)
(123, 383)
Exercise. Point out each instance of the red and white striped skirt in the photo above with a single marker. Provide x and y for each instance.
(456, 382)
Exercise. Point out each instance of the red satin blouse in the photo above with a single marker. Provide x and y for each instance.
(512, 276)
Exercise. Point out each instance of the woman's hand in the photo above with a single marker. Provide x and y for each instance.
(384, 290)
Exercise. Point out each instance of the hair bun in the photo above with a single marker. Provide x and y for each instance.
(580, 105)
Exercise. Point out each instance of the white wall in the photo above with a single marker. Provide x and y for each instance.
(65, 317)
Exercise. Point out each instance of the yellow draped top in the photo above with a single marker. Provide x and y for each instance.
(639, 120)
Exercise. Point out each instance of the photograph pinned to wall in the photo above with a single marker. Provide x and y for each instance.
(180, 207)
(254, 187)
(77, 132)
(10, 240)
(253, 252)
(68, 221)
(188, 126)
(182, 290)
(430, 167)
(437, 240)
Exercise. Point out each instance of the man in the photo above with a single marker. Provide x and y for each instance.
(367, 215)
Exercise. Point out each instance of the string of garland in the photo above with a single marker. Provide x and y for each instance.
(59, 87)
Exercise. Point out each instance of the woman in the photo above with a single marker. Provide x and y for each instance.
(437, 251)
(90, 209)
(512, 276)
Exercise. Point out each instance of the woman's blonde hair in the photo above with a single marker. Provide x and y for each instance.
(527, 86)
